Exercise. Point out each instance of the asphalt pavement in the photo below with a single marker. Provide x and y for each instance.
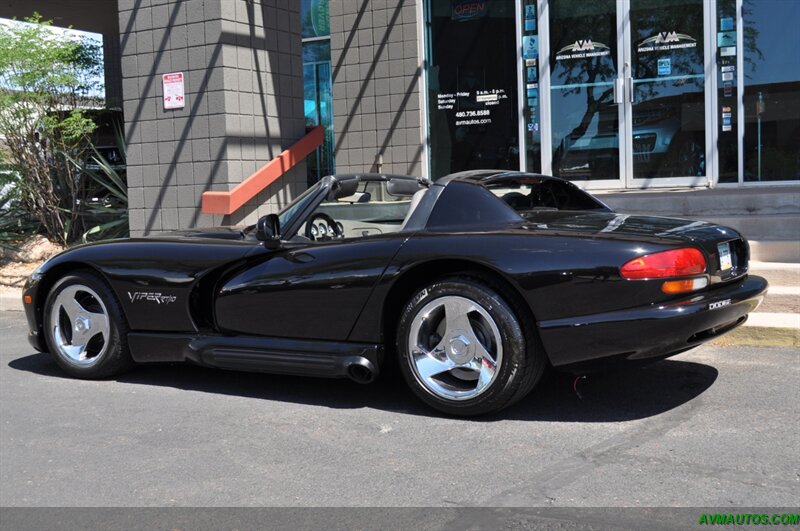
(716, 426)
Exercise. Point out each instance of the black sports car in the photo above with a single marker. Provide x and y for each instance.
(474, 284)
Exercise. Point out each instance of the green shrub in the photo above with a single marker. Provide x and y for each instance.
(15, 223)
(46, 82)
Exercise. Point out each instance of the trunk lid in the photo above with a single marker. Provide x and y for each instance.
(726, 250)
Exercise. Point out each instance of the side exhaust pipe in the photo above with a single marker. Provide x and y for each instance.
(361, 370)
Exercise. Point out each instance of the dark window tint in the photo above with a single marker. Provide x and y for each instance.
(469, 205)
(471, 67)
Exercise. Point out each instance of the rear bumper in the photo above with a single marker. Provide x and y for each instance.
(653, 331)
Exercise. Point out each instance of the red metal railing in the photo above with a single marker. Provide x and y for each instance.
(229, 202)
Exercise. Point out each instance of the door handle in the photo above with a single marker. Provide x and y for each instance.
(629, 83)
(619, 91)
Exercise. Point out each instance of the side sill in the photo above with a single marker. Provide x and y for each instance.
(325, 359)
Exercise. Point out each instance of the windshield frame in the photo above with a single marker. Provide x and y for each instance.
(298, 210)
(286, 214)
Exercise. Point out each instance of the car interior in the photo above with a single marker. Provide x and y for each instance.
(377, 207)
(528, 194)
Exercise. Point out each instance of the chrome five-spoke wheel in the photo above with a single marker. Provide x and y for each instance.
(455, 346)
(466, 347)
(80, 325)
(85, 329)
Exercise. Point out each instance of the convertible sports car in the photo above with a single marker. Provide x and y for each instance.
(473, 284)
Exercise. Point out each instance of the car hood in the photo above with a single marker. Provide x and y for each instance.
(613, 224)
(213, 233)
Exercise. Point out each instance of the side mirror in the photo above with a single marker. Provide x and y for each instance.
(268, 230)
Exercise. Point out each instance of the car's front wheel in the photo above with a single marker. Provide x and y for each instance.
(463, 349)
(84, 327)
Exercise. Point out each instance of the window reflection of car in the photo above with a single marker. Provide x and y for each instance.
(661, 147)
(111, 154)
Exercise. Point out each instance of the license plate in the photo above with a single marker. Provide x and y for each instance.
(725, 261)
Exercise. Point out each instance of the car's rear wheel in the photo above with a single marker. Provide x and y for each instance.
(463, 349)
(84, 327)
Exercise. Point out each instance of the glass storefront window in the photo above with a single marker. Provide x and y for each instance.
(625, 102)
(771, 90)
(472, 85)
(584, 120)
(314, 19)
(317, 84)
(318, 105)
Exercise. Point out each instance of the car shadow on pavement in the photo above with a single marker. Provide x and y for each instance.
(623, 395)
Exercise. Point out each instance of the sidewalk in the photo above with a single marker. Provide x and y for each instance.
(777, 321)
(768, 216)
(10, 299)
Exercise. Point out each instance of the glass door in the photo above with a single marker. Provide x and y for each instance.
(585, 96)
(624, 92)
(666, 85)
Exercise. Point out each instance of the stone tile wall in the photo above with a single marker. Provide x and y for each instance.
(242, 63)
(377, 68)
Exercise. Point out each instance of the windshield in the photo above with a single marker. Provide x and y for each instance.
(372, 209)
(295, 206)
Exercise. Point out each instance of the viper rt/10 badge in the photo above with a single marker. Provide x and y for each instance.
(158, 298)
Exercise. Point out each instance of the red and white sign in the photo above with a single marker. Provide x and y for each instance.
(174, 94)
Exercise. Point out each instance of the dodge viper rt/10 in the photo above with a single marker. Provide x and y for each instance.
(474, 284)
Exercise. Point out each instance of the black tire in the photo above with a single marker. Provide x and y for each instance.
(105, 356)
(522, 362)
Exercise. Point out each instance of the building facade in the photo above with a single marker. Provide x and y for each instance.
(610, 94)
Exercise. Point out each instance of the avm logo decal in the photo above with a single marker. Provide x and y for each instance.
(583, 45)
(582, 49)
(667, 40)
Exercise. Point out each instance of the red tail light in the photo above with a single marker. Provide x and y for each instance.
(675, 263)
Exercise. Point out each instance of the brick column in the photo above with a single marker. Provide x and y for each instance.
(242, 64)
(377, 66)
